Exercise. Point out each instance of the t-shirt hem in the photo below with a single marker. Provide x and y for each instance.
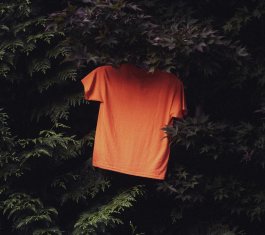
(126, 171)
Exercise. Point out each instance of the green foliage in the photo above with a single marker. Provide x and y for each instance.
(26, 212)
(106, 215)
(214, 182)
(243, 16)
(165, 38)
(80, 187)
(8, 160)
(26, 43)
(207, 137)
(50, 144)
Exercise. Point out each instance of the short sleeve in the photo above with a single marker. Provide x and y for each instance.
(94, 85)
(179, 107)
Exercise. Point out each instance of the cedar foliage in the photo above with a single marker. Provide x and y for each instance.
(214, 182)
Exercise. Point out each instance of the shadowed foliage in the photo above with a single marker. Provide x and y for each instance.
(215, 178)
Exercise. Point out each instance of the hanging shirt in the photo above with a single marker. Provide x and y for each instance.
(134, 105)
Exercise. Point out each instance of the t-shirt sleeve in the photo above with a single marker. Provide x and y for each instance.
(94, 85)
(179, 106)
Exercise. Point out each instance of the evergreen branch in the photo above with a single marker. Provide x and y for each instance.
(44, 36)
(28, 213)
(39, 65)
(106, 215)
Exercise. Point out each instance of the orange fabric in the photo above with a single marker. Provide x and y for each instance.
(134, 106)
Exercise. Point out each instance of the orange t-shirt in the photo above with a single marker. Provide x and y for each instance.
(134, 106)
